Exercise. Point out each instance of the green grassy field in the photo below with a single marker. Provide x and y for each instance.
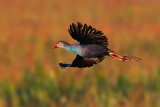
(29, 72)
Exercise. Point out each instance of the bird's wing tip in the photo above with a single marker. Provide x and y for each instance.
(64, 66)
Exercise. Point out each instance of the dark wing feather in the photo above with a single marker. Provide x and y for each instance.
(64, 66)
(87, 35)
(82, 62)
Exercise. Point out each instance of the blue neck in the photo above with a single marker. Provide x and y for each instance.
(73, 50)
(68, 48)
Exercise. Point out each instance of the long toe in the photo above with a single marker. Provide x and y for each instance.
(130, 58)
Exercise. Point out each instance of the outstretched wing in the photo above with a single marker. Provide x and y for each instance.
(87, 35)
(82, 62)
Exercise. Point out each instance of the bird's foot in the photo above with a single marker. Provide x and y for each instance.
(130, 58)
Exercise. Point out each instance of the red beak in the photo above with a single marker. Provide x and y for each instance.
(54, 46)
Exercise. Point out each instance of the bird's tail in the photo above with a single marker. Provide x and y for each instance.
(122, 58)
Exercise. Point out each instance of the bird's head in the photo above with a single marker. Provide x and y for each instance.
(59, 44)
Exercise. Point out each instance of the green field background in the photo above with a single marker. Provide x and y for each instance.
(29, 72)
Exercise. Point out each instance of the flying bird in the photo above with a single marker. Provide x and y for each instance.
(91, 48)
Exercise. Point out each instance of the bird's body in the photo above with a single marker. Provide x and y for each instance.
(91, 47)
(88, 51)
(93, 50)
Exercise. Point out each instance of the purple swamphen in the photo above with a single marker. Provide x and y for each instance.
(91, 47)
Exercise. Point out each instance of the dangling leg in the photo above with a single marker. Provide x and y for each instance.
(115, 55)
(122, 58)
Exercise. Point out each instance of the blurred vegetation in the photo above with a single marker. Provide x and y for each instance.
(29, 72)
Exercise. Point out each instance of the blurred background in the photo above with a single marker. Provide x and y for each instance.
(29, 72)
